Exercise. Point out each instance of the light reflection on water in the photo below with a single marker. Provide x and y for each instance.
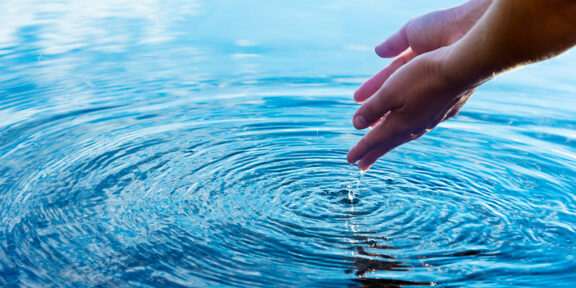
(195, 143)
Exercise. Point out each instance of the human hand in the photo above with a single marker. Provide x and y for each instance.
(413, 100)
(450, 53)
(413, 94)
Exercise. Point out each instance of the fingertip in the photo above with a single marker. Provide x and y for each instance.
(364, 166)
(349, 158)
(358, 95)
(382, 51)
(352, 158)
(360, 122)
(352, 161)
(394, 45)
(385, 50)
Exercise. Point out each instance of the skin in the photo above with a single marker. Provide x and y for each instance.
(443, 56)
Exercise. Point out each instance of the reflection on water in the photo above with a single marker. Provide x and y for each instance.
(366, 262)
(200, 144)
(389, 283)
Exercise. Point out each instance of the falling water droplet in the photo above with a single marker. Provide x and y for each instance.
(352, 192)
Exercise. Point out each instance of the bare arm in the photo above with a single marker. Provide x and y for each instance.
(431, 81)
(513, 33)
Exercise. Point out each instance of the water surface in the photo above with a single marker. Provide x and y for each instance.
(203, 143)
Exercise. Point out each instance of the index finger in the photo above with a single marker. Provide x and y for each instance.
(394, 45)
(373, 84)
(384, 137)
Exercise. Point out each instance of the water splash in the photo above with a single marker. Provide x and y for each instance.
(352, 192)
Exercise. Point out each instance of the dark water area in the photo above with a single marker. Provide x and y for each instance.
(203, 144)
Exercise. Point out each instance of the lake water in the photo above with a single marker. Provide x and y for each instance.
(203, 143)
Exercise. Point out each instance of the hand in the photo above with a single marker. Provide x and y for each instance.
(413, 94)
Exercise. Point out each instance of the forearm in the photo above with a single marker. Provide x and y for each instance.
(510, 34)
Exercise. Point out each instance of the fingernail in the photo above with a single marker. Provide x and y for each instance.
(359, 122)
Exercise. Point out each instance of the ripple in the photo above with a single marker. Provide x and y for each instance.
(156, 151)
(156, 195)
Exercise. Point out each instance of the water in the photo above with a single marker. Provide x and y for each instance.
(352, 191)
(203, 143)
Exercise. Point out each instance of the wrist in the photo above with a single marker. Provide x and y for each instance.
(507, 37)
(462, 70)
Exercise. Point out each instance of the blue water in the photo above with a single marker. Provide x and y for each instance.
(203, 143)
